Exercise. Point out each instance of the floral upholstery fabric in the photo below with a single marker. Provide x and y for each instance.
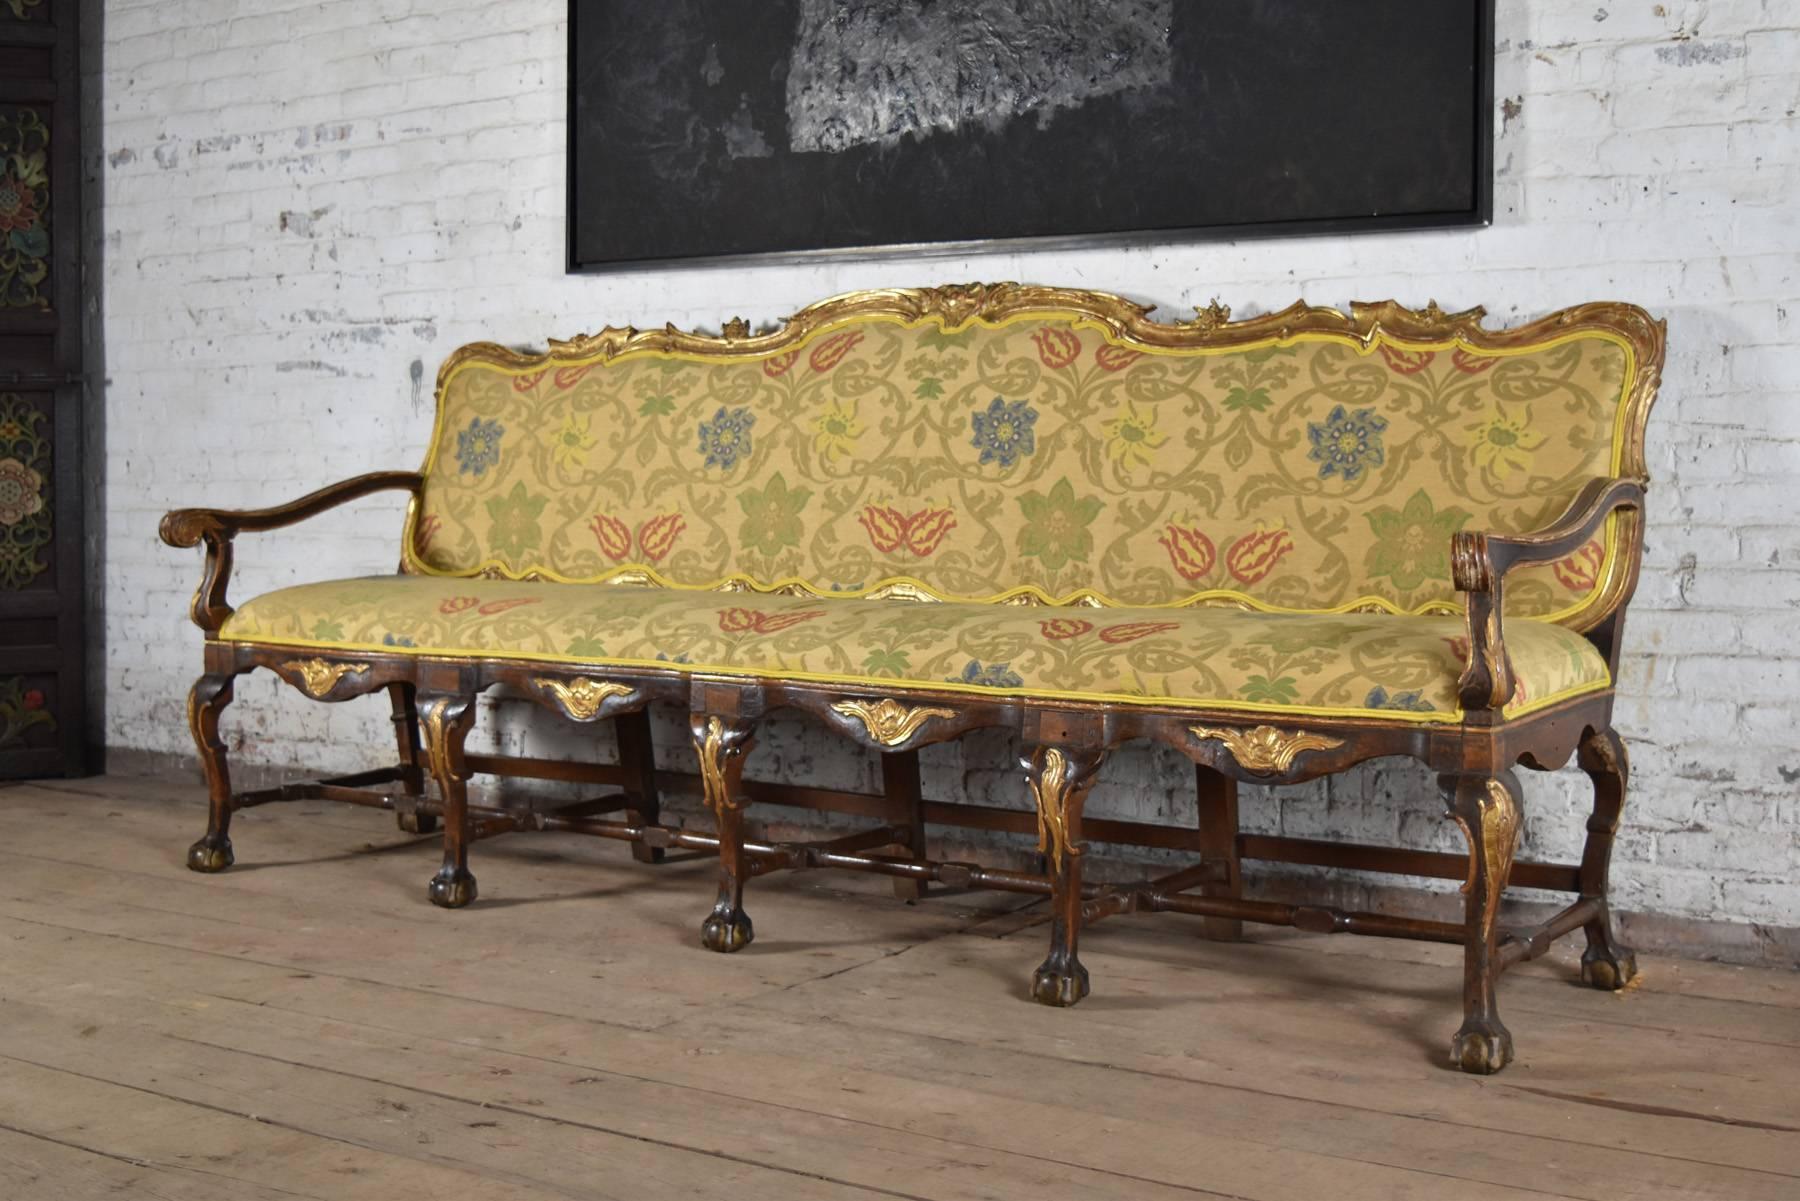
(1400, 667)
(1306, 474)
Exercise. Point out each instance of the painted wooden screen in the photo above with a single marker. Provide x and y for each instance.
(42, 594)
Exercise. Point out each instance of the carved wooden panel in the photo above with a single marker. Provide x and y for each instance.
(43, 597)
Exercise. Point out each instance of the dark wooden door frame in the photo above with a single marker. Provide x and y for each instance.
(43, 660)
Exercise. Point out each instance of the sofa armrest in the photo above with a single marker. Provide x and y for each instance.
(217, 528)
(1480, 561)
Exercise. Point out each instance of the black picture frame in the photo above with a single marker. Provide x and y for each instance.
(1477, 212)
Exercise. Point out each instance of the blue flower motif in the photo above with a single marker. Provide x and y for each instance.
(396, 640)
(994, 675)
(1347, 444)
(33, 242)
(478, 447)
(726, 437)
(1004, 431)
(1411, 702)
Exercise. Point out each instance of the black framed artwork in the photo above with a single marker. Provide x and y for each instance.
(700, 129)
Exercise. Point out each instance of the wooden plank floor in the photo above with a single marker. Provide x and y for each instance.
(307, 1025)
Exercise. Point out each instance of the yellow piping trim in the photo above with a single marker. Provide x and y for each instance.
(1434, 717)
(1378, 338)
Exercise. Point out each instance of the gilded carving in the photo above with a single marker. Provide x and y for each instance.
(900, 590)
(1210, 316)
(715, 753)
(1050, 791)
(319, 676)
(1498, 814)
(581, 698)
(1267, 750)
(888, 721)
(437, 749)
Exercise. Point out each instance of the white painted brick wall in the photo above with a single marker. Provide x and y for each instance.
(299, 201)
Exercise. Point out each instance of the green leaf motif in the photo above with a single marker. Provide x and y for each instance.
(1260, 689)
(772, 516)
(886, 662)
(1254, 399)
(1412, 544)
(1056, 526)
(656, 406)
(515, 521)
(929, 389)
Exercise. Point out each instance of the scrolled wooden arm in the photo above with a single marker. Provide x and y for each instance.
(217, 528)
(1480, 561)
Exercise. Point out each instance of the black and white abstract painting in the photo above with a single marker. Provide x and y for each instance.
(705, 128)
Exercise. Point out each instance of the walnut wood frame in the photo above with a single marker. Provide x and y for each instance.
(1063, 743)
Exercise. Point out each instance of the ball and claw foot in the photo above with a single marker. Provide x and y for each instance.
(452, 889)
(210, 854)
(417, 822)
(726, 931)
(1481, 1048)
(1608, 971)
(1052, 984)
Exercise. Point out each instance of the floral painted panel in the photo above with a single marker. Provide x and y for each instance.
(24, 209)
(1036, 456)
(26, 532)
(1404, 668)
(23, 10)
(25, 717)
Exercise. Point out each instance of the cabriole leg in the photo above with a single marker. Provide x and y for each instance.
(446, 721)
(722, 746)
(1059, 780)
(1489, 810)
(206, 700)
(406, 741)
(1606, 963)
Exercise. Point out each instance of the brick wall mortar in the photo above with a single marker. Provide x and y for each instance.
(293, 207)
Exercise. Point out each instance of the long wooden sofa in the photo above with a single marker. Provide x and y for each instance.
(913, 513)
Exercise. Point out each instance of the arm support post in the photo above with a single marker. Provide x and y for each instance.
(1479, 563)
(217, 527)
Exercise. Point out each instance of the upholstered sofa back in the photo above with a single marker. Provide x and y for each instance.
(1004, 442)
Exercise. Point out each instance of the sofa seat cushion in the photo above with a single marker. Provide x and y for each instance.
(1350, 664)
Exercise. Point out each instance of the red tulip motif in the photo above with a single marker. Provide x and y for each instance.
(656, 536)
(1116, 358)
(1254, 556)
(750, 621)
(919, 533)
(1057, 347)
(1131, 631)
(831, 351)
(1580, 571)
(1190, 550)
(613, 535)
(1407, 362)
